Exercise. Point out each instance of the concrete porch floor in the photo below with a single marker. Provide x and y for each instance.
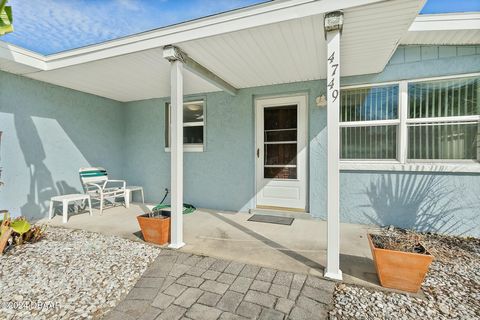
(299, 248)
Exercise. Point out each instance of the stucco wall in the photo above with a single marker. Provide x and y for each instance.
(50, 132)
(446, 202)
(222, 177)
(442, 202)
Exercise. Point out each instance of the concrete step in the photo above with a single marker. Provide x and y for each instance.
(281, 213)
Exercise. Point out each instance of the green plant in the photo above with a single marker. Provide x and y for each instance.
(6, 18)
(20, 226)
(19, 231)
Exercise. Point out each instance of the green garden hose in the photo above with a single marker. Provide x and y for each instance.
(187, 208)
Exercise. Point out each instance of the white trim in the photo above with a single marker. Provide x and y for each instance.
(334, 276)
(333, 62)
(194, 124)
(402, 133)
(250, 17)
(380, 84)
(370, 123)
(369, 85)
(444, 119)
(301, 100)
(209, 76)
(453, 76)
(403, 163)
(176, 157)
(443, 22)
(457, 167)
(25, 57)
(190, 148)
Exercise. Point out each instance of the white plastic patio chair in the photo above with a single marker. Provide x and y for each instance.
(96, 184)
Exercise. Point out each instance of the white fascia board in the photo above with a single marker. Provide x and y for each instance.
(22, 56)
(268, 13)
(443, 22)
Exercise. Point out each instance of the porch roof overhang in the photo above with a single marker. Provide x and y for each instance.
(271, 43)
(445, 29)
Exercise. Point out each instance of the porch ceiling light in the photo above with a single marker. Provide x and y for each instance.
(333, 21)
(194, 107)
(321, 101)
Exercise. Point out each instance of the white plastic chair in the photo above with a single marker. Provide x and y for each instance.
(97, 185)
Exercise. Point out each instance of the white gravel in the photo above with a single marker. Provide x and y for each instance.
(451, 288)
(70, 274)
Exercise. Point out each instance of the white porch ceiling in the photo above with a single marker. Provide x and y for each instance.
(295, 50)
(136, 76)
(282, 52)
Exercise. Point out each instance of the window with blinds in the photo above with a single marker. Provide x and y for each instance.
(437, 120)
(369, 122)
(443, 119)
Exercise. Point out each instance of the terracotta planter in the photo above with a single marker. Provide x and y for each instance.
(400, 270)
(4, 239)
(155, 229)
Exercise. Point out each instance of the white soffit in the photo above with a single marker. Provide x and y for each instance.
(285, 44)
(295, 50)
(135, 76)
(18, 60)
(445, 29)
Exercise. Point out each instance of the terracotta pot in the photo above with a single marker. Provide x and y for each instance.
(4, 239)
(155, 229)
(400, 270)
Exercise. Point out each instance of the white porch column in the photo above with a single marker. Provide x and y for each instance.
(176, 145)
(333, 28)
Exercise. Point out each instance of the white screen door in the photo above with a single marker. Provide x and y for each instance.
(281, 155)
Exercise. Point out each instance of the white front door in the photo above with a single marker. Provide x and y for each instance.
(281, 152)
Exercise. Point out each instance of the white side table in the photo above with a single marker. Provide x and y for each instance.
(128, 194)
(65, 200)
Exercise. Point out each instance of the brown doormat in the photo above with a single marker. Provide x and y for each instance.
(271, 219)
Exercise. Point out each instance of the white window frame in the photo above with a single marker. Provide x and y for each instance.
(402, 163)
(372, 123)
(190, 147)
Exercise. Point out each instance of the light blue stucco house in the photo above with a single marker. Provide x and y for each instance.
(257, 90)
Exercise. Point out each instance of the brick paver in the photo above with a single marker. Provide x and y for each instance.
(185, 286)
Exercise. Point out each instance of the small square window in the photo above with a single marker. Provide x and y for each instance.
(193, 125)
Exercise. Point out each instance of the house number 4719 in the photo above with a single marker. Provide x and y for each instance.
(332, 85)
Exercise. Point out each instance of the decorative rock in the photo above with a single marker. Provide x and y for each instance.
(443, 308)
(72, 274)
(451, 287)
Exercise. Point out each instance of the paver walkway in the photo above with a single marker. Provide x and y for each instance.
(184, 286)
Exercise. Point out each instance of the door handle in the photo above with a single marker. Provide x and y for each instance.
(258, 152)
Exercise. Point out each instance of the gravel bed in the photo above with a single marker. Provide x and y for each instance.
(70, 274)
(452, 288)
